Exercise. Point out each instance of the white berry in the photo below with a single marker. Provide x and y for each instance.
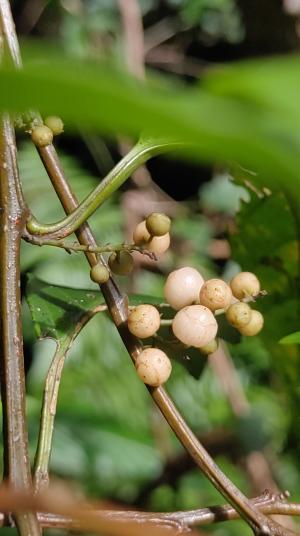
(144, 321)
(140, 234)
(215, 294)
(254, 326)
(159, 244)
(195, 325)
(245, 285)
(182, 287)
(153, 366)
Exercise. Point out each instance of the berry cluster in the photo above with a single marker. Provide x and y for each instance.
(196, 302)
(42, 135)
(151, 234)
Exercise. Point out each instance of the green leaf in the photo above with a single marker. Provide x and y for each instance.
(293, 338)
(60, 312)
(217, 126)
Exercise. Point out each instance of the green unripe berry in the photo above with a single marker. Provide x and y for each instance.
(42, 136)
(99, 273)
(55, 124)
(209, 348)
(121, 262)
(158, 224)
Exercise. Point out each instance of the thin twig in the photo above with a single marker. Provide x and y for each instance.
(74, 246)
(68, 514)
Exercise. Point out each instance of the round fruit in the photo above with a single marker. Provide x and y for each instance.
(209, 348)
(158, 244)
(215, 294)
(195, 325)
(158, 224)
(254, 326)
(42, 136)
(55, 124)
(245, 285)
(153, 366)
(144, 321)
(121, 262)
(238, 314)
(182, 287)
(99, 273)
(140, 234)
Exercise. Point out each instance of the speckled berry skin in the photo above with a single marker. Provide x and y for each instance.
(153, 366)
(238, 314)
(215, 294)
(144, 321)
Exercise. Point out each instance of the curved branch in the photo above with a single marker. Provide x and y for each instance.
(139, 154)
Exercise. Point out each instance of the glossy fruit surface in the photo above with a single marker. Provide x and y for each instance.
(195, 325)
(182, 287)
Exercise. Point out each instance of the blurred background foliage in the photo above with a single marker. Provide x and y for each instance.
(109, 441)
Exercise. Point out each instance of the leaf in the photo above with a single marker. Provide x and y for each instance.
(60, 312)
(293, 338)
(217, 126)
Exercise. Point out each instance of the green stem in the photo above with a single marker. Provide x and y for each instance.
(138, 155)
(69, 247)
(41, 465)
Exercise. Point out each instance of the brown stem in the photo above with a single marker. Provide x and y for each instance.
(71, 515)
(118, 306)
(13, 218)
